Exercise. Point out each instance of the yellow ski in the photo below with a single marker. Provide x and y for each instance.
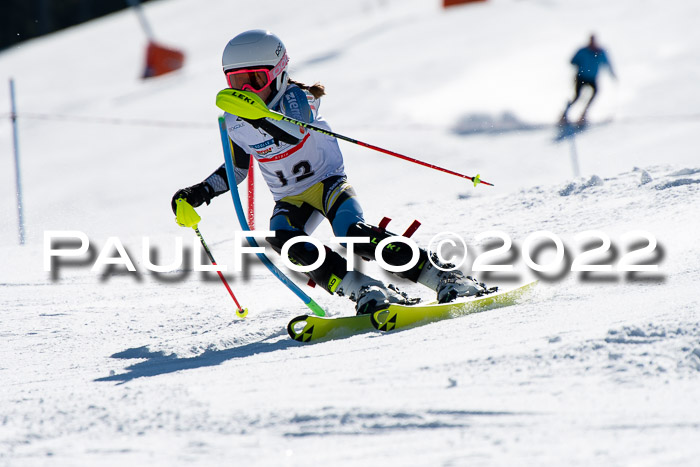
(310, 328)
(306, 328)
(402, 316)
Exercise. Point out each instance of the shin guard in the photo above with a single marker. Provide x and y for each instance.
(328, 275)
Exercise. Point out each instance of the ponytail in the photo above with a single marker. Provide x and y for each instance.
(316, 89)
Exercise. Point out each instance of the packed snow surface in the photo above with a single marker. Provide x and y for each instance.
(111, 367)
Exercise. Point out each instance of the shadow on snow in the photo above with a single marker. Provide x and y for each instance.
(158, 363)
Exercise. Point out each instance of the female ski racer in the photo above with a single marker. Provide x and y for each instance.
(304, 171)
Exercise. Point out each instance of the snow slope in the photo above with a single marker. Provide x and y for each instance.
(110, 367)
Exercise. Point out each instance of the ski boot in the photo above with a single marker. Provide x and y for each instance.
(451, 284)
(371, 295)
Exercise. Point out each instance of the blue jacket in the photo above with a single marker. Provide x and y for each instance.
(589, 61)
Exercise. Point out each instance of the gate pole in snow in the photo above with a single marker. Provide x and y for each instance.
(18, 179)
(574, 156)
(136, 5)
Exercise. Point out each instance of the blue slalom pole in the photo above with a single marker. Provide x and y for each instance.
(228, 158)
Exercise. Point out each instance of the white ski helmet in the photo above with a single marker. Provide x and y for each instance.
(259, 49)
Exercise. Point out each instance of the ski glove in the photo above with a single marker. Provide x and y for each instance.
(196, 195)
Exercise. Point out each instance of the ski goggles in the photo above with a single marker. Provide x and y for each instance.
(255, 79)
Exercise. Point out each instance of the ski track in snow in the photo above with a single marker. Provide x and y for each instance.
(146, 368)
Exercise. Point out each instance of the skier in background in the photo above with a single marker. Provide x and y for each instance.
(305, 174)
(588, 60)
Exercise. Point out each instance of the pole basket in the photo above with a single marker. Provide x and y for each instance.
(161, 60)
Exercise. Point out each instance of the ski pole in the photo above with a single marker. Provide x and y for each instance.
(248, 105)
(186, 216)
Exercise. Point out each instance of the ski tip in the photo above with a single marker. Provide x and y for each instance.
(242, 313)
(299, 330)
